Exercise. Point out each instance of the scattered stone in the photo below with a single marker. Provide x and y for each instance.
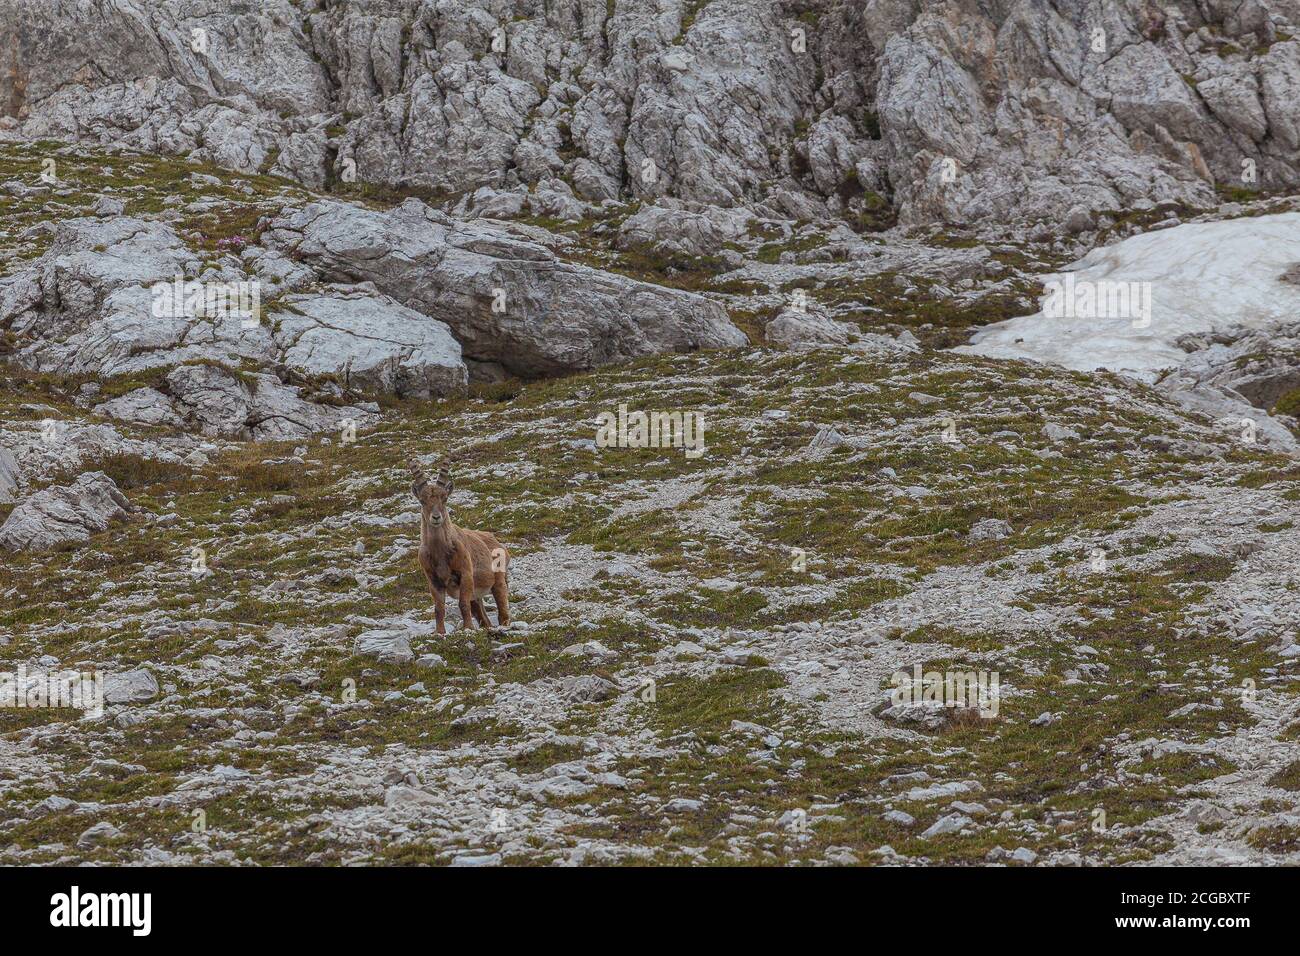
(1055, 432)
(683, 805)
(592, 649)
(98, 835)
(403, 796)
(951, 823)
(130, 687)
(388, 645)
(990, 529)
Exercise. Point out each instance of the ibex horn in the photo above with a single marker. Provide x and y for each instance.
(444, 476)
(420, 479)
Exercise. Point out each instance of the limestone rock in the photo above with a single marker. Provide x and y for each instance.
(672, 228)
(388, 645)
(251, 406)
(795, 329)
(145, 406)
(68, 514)
(8, 475)
(507, 300)
(130, 687)
(965, 111)
(369, 342)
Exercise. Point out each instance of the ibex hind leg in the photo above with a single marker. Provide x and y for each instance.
(480, 614)
(501, 594)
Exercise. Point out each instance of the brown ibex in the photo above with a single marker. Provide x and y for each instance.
(466, 564)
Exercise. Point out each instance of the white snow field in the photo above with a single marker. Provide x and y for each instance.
(1199, 277)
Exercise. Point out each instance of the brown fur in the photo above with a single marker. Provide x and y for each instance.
(451, 556)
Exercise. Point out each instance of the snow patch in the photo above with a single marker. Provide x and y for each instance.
(1202, 276)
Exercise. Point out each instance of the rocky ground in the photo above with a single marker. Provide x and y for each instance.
(699, 667)
(1122, 688)
(460, 259)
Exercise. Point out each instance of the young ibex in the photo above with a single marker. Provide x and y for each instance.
(467, 564)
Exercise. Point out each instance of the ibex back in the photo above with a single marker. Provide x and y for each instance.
(465, 564)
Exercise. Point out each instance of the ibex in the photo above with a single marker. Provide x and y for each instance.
(467, 564)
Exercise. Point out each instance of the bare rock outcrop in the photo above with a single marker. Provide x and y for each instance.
(68, 514)
(507, 300)
(369, 342)
(102, 301)
(1020, 109)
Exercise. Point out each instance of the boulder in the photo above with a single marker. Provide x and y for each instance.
(95, 304)
(673, 229)
(507, 300)
(65, 514)
(130, 687)
(369, 342)
(808, 328)
(252, 406)
(389, 645)
(142, 406)
(100, 302)
(990, 529)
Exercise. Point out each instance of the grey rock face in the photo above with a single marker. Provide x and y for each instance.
(951, 111)
(90, 305)
(66, 514)
(507, 300)
(86, 304)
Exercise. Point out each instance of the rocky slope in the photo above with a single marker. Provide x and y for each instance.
(472, 229)
(679, 686)
(862, 109)
(701, 660)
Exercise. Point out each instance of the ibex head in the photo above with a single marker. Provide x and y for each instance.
(432, 494)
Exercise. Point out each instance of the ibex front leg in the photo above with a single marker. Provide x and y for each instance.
(439, 592)
(440, 609)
